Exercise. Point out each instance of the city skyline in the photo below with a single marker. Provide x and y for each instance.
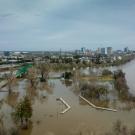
(67, 24)
(98, 49)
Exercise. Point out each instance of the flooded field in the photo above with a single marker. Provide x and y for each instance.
(81, 119)
(128, 69)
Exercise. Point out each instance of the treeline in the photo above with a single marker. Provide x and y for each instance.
(124, 60)
(98, 60)
(90, 90)
(121, 85)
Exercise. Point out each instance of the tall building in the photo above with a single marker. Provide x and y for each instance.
(126, 50)
(98, 51)
(6, 53)
(103, 51)
(83, 49)
(109, 50)
(1, 53)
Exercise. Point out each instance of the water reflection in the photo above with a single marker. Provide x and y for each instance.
(12, 99)
(5, 114)
(67, 83)
(28, 131)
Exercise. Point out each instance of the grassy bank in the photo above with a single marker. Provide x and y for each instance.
(100, 78)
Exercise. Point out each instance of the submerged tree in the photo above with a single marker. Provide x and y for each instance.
(9, 78)
(93, 91)
(121, 84)
(44, 69)
(67, 75)
(23, 112)
(120, 129)
(119, 74)
(32, 77)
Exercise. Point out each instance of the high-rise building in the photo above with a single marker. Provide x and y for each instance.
(126, 50)
(6, 53)
(109, 50)
(98, 51)
(103, 51)
(83, 49)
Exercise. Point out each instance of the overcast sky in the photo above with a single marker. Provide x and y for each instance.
(66, 24)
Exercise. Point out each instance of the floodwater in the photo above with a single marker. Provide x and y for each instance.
(128, 69)
(81, 119)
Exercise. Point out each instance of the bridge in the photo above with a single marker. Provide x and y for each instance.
(23, 70)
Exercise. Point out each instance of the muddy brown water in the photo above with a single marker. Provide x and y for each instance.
(80, 119)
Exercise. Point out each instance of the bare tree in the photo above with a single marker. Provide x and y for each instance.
(9, 78)
(44, 69)
(32, 77)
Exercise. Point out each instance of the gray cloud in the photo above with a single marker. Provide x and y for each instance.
(5, 15)
(67, 24)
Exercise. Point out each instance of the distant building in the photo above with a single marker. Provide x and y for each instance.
(83, 50)
(1, 54)
(77, 52)
(103, 50)
(16, 53)
(88, 52)
(119, 52)
(109, 50)
(126, 50)
(98, 51)
(6, 53)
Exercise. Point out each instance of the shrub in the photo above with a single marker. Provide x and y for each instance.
(67, 75)
(106, 72)
(93, 91)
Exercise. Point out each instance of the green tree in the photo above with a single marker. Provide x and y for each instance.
(106, 72)
(23, 112)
